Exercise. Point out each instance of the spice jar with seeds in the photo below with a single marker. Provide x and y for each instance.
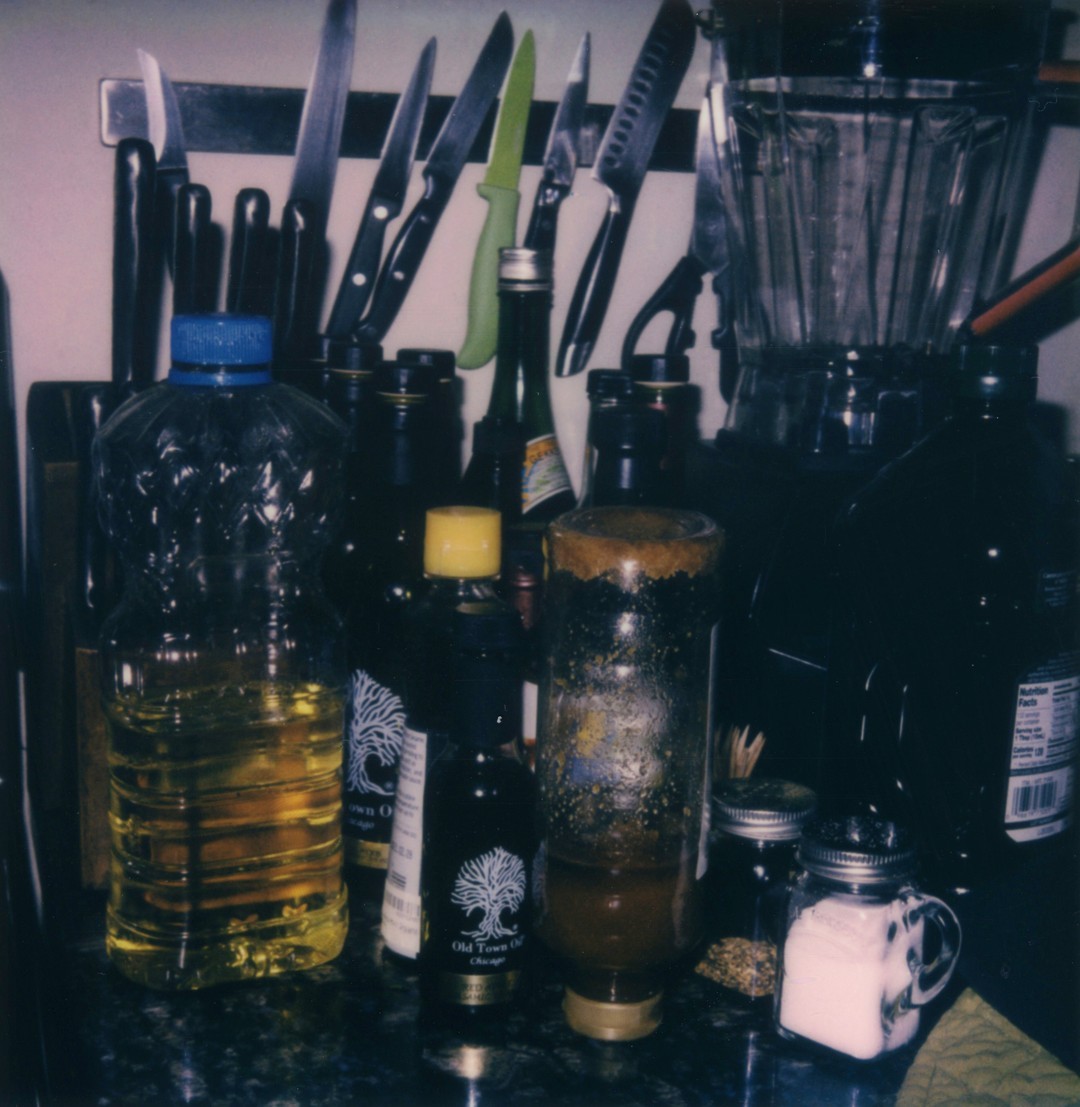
(756, 824)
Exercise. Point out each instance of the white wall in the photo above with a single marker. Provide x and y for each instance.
(55, 176)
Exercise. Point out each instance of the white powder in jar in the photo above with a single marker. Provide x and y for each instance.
(845, 968)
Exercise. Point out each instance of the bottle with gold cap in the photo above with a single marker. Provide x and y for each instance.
(462, 550)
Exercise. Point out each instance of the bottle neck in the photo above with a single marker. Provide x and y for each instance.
(404, 453)
(624, 478)
(520, 389)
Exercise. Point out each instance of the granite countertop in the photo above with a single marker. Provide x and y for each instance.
(353, 1032)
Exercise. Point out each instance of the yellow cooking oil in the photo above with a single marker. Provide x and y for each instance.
(225, 815)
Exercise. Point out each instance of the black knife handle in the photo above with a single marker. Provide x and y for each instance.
(540, 234)
(593, 291)
(191, 250)
(296, 258)
(246, 291)
(403, 261)
(133, 230)
(167, 185)
(361, 269)
(678, 293)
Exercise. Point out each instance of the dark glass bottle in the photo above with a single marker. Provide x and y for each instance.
(493, 475)
(604, 388)
(447, 408)
(479, 835)
(662, 382)
(462, 550)
(519, 391)
(629, 444)
(955, 678)
(350, 394)
(403, 487)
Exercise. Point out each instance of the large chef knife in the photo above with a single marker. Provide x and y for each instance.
(441, 172)
(561, 155)
(167, 135)
(621, 163)
(500, 189)
(385, 201)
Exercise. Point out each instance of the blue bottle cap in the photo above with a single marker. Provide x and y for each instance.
(220, 340)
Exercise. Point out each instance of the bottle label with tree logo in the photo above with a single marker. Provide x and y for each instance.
(487, 929)
(374, 733)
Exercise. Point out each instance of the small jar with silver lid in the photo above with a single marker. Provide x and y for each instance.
(756, 823)
(863, 949)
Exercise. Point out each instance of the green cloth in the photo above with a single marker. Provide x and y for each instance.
(975, 1057)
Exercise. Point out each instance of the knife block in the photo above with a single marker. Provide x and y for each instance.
(67, 769)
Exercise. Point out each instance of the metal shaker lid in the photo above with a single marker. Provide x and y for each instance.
(858, 849)
(763, 808)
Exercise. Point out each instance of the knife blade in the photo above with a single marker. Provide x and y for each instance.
(707, 253)
(621, 163)
(246, 292)
(193, 283)
(133, 249)
(319, 139)
(561, 153)
(385, 201)
(447, 156)
(500, 189)
(166, 132)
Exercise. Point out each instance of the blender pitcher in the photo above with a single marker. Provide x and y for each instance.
(874, 159)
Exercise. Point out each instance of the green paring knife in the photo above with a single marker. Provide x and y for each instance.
(500, 189)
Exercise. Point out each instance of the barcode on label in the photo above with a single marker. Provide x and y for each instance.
(1034, 799)
(403, 906)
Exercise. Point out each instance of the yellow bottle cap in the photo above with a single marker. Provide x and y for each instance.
(612, 1022)
(462, 542)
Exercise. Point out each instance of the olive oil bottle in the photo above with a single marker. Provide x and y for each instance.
(479, 837)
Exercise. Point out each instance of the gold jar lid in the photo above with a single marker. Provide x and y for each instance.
(612, 1022)
(632, 545)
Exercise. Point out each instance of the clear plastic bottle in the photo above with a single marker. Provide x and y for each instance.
(223, 668)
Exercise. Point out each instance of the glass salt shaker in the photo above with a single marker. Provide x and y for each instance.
(853, 968)
(756, 823)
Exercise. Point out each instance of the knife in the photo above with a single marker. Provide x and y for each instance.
(246, 292)
(500, 189)
(296, 256)
(441, 172)
(385, 201)
(561, 154)
(167, 135)
(707, 253)
(193, 282)
(621, 163)
(319, 138)
(133, 251)
(133, 247)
